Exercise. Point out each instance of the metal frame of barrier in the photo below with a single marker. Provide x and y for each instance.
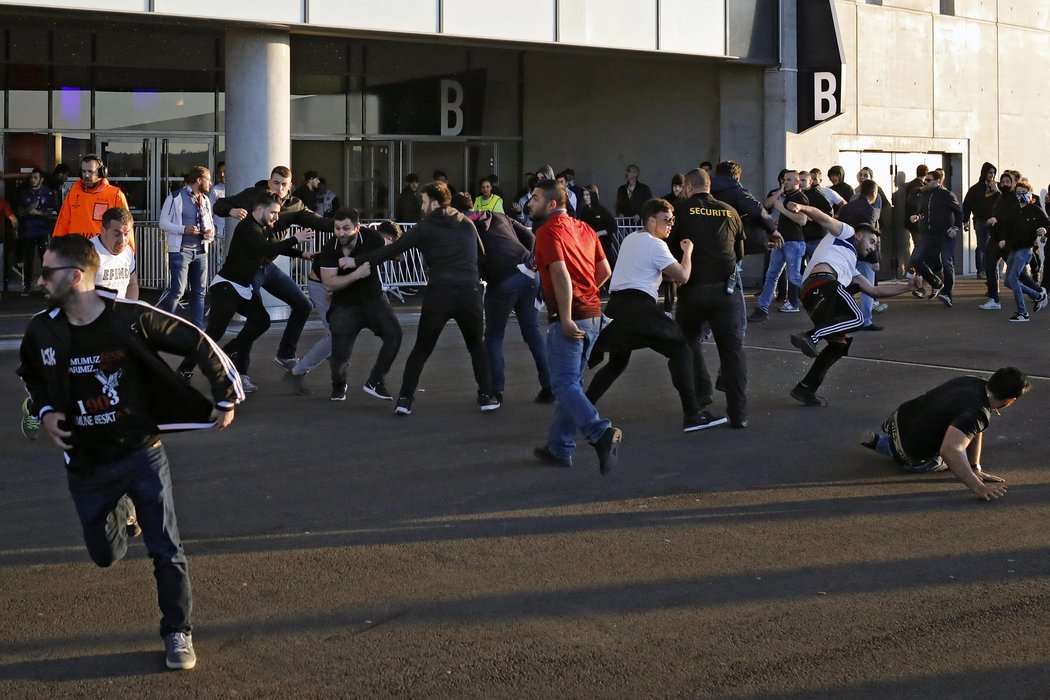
(399, 276)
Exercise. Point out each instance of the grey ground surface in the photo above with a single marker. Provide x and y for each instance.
(338, 551)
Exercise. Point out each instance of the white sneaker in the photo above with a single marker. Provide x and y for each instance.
(991, 305)
(246, 384)
(789, 308)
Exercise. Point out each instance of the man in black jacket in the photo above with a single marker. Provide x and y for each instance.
(940, 216)
(270, 277)
(104, 395)
(978, 202)
(509, 270)
(631, 195)
(712, 295)
(726, 187)
(233, 290)
(450, 245)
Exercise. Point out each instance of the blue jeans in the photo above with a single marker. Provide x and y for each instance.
(276, 282)
(1016, 263)
(791, 256)
(101, 500)
(931, 244)
(323, 347)
(567, 360)
(187, 265)
(867, 304)
(517, 293)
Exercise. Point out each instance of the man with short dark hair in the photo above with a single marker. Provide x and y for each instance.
(827, 299)
(941, 220)
(35, 205)
(116, 268)
(357, 303)
(572, 269)
(269, 276)
(307, 191)
(409, 201)
(233, 289)
(785, 258)
(639, 322)
(726, 187)
(186, 218)
(450, 245)
(944, 428)
(104, 395)
(712, 295)
(837, 177)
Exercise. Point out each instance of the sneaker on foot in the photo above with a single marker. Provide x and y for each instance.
(918, 294)
(944, 299)
(789, 308)
(1019, 318)
(990, 305)
(298, 384)
(488, 402)
(806, 396)
(30, 424)
(132, 525)
(338, 393)
(378, 390)
(870, 440)
(547, 457)
(178, 651)
(1041, 302)
(608, 449)
(758, 316)
(545, 395)
(805, 343)
(701, 421)
(881, 308)
(404, 406)
(246, 384)
(738, 423)
(286, 363)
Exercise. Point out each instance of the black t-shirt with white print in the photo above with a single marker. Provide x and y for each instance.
(110, 416)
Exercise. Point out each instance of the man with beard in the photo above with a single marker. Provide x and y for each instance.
(116, 269)
(88, 199)
(104, 394)
(186, 218)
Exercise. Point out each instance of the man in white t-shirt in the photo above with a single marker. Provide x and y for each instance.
(116, 270)
(638, 322)
(830, 305)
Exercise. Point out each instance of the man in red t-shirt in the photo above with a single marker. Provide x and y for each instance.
(572, 269)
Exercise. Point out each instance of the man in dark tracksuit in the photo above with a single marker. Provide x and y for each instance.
(726, 187)
(91, 364)
(269, 276)
(940, 216)
(449, 244)
(717, 234)
(979, 200)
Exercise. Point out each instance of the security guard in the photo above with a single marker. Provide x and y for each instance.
(712, 294)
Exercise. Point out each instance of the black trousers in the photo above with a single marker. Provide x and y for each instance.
(724, 313)
(639, 322)
(461, 303)
(834, 313)
(225, 302)
(346, 321)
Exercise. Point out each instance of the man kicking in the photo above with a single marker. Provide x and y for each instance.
(827, 300)
(943, 428)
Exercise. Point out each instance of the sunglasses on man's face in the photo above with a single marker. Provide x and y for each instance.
(46, 272)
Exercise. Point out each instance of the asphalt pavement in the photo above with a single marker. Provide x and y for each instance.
(339, 551)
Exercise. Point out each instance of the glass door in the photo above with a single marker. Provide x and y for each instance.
(480, 160)
(149, 169)
(369, 182)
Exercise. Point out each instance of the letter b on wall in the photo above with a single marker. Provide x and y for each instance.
(825, 103)
(451, 108)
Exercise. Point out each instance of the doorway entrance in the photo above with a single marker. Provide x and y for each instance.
(149, 168)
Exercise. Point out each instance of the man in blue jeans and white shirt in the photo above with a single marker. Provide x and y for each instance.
(572, 269)
(187, 219)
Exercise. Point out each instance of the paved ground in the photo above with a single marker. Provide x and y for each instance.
(339, 551)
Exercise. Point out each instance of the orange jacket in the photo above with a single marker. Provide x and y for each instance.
(82, 209)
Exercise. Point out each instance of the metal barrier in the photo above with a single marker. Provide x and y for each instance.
(399, 276)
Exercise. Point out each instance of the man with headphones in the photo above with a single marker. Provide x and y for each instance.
(88, 200)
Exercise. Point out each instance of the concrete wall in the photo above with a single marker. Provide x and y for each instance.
(924, 75)
(600, 113)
